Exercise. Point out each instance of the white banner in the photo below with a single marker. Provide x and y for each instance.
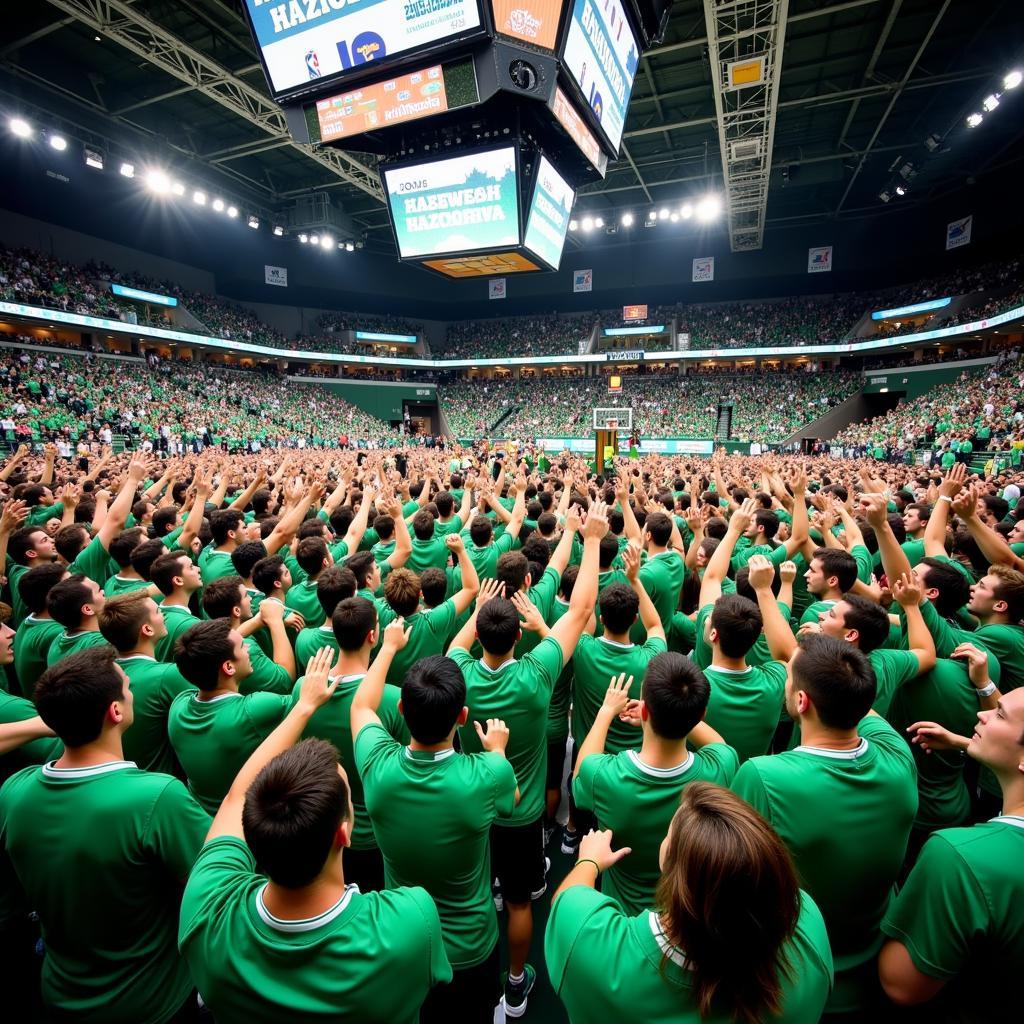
(583, 280)
(276, 275)
(704, 268)
(496, 288)
(819, 259)
(958, 232)
(683, 341)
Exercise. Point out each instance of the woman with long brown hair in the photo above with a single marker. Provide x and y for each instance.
(732, 937)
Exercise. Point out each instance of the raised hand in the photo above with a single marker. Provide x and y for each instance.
(596, 525)
(875, 509)
(743, 516)
(454, 543)
(13, 515)
(616, 697)
(631, 561)
(977, 662)
(953, 481)
(489, 590)
(931, 736)
(533, 621)
(597, 846)
(396, 636)
(761, 572)
(494, 739)
(787, 571)
(907, 591)
(317, 688)
(965, 504)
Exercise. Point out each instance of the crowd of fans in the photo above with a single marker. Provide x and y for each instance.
(551, 335)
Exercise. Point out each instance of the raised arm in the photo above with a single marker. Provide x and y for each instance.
(13, 462)
(245, 497)
(718, 566)
(909, 594)
(614, 704)
(118, 514)
(46, 477)
(991, 544)
(464, 597)
(649, 616)
(194, 520)
(631, 528)
(289, 523)
(894, 559)
(371, 690)
(696, 525)
(563, 550)
(781, 642)
(935, 531)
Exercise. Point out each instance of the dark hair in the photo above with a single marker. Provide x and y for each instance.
(433, 695)
(145, 554)
(480, 531)
(20, 543)
(72, 696)
(223, 521)
(619, 606)
(869, 619)
(497, 626)
(445, 503)
(222, 595)
(922, 508)
(433, 586)
(729, 900)
(536, 550)
(165, 568)
(568, 581)
(65, 600)
(659, 526)
(292, 812)
(334, 584)
(547, 523)
(954, 589)
(70, 541)
(122, 618)
(361, 563)
(164, 520)
(201, 650)
(899, 529)
(266, 572)
(32, 494)
(385, 527)
(310, 555)
(512, 568)
(423, 525)
(607, 551)
(767, 521)
(246, 555)
(837, 677)
(838, 563)
(353, 620)
(36, 584)
(738, 622)
(676, 693)
(744, 589)
(122, 546)
(1010, 589)
(996, 506)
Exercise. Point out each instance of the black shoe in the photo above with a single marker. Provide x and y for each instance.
(516, 993)
(570, 842)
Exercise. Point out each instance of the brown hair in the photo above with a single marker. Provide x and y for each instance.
(1010, 589)
(122, 619)
(729, 901)
(402, 591)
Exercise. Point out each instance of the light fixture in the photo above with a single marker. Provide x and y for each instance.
(158, 182)
(178, 188)
(574, 225)
(350, 247)
(973, 120)
(989, 103)
(199, 197)
(627, 220)
(686, 211)
(587, 223)
(599, 222)
(20, 127)
(218, 205)
(253, 222)
(652, 215)
(326, 241)
(94, 158)
(1012, 79)
(901, 190)
(232, 211)
(278, 230)
(303, 237)
(127, 170)
(708, 208)
(314, 239)
(885, 195)
(59, 143)
(663, 213)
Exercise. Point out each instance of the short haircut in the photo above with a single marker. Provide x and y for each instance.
(246, 555)
(744, 589)
(385, 527)
(1010, 589)
(445, 503)
(361, 563)
(433, 586)
(547, 523)
(122, 546)
(310, 554)
(402, 591)
(767, 521)
(511, 569)
(292, 812)
(423, 525)
(311, 528)
(122, 619)
(433, 695)
(145, 555)
(73, 695)
(738, 622)
(869, 619)
(70, 541)
(21, 542)
(352, 622)
(266, 572)
(334, 584)
(536, 550)
(676, 693)
(659, 526)
(201, 650)
(568, 581)
(36, 584)
(33, 494)
(838, 563)
(224, 521)
(619, 606)
(607, 551)
(996, 507)
(480, 531)
(951, 582)
(164, 570)
(497, 626)
(65, 600)
(837, 677)
(222, 595)
(922, 508)
(164, 520)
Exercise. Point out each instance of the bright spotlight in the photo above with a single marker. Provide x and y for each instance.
(94, 158)
(973, 120)
(218, 205)
(1013, 79)
(350, 247)
(686, 211)
(663, 213)
(127, 170)
(901, 190)
(627, 220)
(599, 222)
(652, 214)
(574, 225)
(20, 127)
(59, 143)
(278, 230)
(327, 241)
(314, 239)
(253, 222)
(232, 211)
(990, 102)
(158, 182)
(674, 217)
(708, 208)
(303, 237)
(587, 223)
(178, 189)
(199, 197)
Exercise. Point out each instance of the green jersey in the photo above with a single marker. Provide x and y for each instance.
(893, 669)
(266, 676)
(214, 564)
(485, 559)
(178, 620)
(428, 634)
(94, 561)
(745, 705)
(117, 585)
(518, 692)
(310, 640)
(561, 695)
(106, 890)
(65, 643)
(759, 654)
(958, 914)
(637, 802)
(331, 723)
(606, 965)
(427, 554)
(302, 598)
(14, 574)
(31, 645)
(371, 958)
(596, 661)
(453, 798)
(662, 577)
(154, 685)
(818, 801)
(214, 738)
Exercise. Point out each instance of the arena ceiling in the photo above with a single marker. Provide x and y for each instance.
(863, 85)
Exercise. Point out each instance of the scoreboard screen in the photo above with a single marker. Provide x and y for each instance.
(548, 219)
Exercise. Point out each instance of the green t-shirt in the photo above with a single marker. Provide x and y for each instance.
(310, 640)
(14, 575)
(302, 598)
(1004, 642)
(561, 695)
(154, 686)
(596, 661)
(178, 620)
(214, 564)
(370, 958)
(662, 577)
(606, 965)
(744, 706)
(65, 643)
(266, 676)
(637, 803)
(427, 554)
(332, 723)
(846, 817)
(893, 669)
(958, 914)
(454, 799)
(94, 561)
(117, 585)
(31, 645)
(107, 889)
(517, 692)
(759, 654)
(214, 738)
(428, 634)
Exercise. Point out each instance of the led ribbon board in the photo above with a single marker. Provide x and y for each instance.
(918, 307)
(548, 220)
(141, 296)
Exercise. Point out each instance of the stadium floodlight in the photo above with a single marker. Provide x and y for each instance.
(94, 158)
(627, 220)
(127, 170)
(587, 223)
(20, 127)
(218, 205)
(708, 208)
(314, 239)
(158, 182)
(199, 197)
(350, 247)
(327, 242)
(990, 103)
(59, 143)
(303, 237)
(663, 213)
(574, 225)
(973, 120)
(901, 190)
(232, 211)
(1012, 79)
(599, 222)
(674, 217)
(278, 230)
(686, 211)
(652, 215)
(178, 188)
(253, 221)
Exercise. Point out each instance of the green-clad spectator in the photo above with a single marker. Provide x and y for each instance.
(176, 577)
(428, 550)
(518, 692)
(425, 785)
(294, 939)
(450, 521)
(313, 558)
(26, 548)
(127, 579)
(635, 793)
(718, 855)
(132, 623)
(966, 449)
(214, 731)
(662, 573)
(948, 459)
(39, 629)
(227, 526)
(851, 776)
(75, 603)
(964, 893)
(831, 573)
(335, 585)
(558, 730)
(106, 890)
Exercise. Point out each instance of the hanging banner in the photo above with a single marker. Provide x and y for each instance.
(583, 280)
(704, 268)
(959, 232)
(819, 259)
(496, 288)
(276, 275)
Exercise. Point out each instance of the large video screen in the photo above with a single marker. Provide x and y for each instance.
(602, 56)
(530, 21)
(302, 42)
(548, 219)
(462, 203)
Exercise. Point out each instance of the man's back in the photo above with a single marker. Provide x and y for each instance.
(371, 958)
(662, 577)
(745, 706)
(428, 634)
(101, 853)
(154, 686)
(427, 554)
(31, 646)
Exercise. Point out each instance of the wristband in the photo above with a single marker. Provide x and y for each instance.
(987, 691)
(588, 860)
(945, 497)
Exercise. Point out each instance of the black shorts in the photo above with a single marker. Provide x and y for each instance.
(517, 859)
(470, 997)
(556, 765)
